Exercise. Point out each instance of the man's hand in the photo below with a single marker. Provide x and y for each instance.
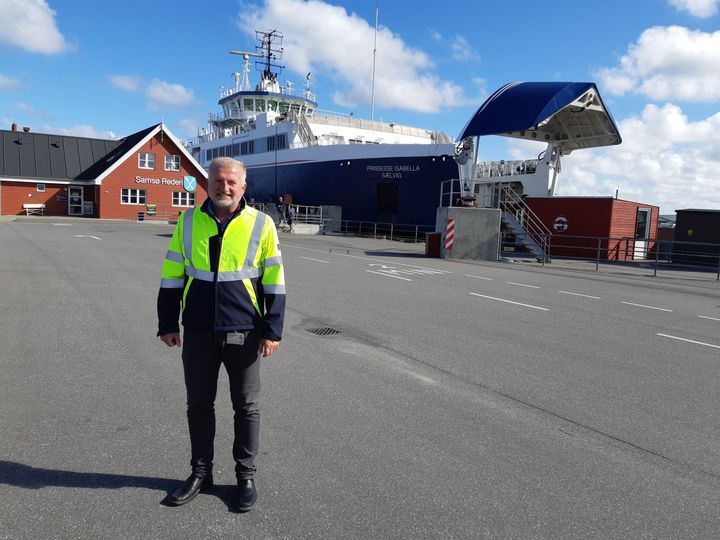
(172, 339)
(267, 347)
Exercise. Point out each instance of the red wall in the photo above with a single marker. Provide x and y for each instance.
(603, 218)
(159, 194)
(15, 194)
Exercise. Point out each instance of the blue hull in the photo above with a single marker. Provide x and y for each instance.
(395, 190)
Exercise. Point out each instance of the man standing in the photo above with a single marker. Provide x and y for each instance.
(223, 270)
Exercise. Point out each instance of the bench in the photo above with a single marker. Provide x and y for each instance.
(34, 208)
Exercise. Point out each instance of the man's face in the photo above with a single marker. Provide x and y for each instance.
(227, 187)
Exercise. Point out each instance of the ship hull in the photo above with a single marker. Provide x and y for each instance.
(402, 190)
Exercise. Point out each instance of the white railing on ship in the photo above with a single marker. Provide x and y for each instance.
(343, 120)
(488, 169)
(283, 90)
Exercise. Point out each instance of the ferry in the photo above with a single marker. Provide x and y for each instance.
(374, 170)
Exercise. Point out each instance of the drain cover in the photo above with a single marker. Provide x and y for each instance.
(324, 331)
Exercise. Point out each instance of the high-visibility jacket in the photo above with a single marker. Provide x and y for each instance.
(223, 279)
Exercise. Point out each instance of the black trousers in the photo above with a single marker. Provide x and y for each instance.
(202, 354)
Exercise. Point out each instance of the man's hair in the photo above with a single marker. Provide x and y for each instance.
(226, 163)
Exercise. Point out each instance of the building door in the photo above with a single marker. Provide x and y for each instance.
(642, 233)
(75, 200)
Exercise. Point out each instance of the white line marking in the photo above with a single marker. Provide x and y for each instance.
(479, 277)
(522, 285)
(286, 245)
(578, 294)
(649, 307)
(61, 224)
(388, 275)
(690, 341)
(509, 301)
(711, 318)
(316, 260)
(85, 236)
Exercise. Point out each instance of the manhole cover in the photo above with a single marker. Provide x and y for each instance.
(324, 331)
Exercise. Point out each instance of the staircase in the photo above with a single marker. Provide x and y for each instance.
(529, 231)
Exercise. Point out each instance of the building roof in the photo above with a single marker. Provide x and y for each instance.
(65, 158)
(51, 157)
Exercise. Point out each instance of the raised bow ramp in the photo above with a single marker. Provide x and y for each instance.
(571, 115)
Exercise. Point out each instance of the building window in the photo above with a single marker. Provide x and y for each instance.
(146, 160)
(41, 188)
(132, 196)
(172, 163)
(183, 198)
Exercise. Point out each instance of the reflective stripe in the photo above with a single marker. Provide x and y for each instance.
(273, 261)
(168, 283)
(174, 256)
(202, 275)
(247, 273)
(187, 234)
(230, 275)
(274, 289)
(255, 238)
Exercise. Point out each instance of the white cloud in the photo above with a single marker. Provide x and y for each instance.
(462, 50)
(30, 25)
(319, 36)
(8, 83)
(435, 35)
(668, 63)
(129, 83)
(81, 130)
(165, 93)
(697, 8)
(665, 159)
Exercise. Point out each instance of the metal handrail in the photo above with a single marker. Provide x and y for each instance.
(509, 201)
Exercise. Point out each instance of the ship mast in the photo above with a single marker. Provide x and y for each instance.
(372, 99)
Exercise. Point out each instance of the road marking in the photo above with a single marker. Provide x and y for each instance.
(479, 277)
(388, 275)
(648, 307)
(711, 318)
(85, 236)
(522, 285)
(691, 341)
(578, 294)
(509, 301)
(316, 260)
(435, 270)
(62, 224)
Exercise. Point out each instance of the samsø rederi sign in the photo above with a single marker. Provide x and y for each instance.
(188, 182)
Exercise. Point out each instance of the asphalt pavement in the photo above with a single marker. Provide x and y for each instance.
(443, 399)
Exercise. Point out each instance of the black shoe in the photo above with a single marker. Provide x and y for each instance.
(190, 488)
(246, 495)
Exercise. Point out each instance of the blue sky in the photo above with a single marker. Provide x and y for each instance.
(97, 68)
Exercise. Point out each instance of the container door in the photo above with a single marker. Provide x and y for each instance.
(642, 233)
(75, 200)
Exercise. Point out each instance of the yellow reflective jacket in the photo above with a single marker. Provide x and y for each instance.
(223, 279)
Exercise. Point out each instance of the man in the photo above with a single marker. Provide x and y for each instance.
(224, 270)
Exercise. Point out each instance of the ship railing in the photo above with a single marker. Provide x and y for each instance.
(284, 90)
(342, 120)
(489, 169)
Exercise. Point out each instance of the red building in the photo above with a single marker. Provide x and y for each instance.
(604, 227)
(148, 172)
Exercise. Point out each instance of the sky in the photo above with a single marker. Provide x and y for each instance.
(108, 69)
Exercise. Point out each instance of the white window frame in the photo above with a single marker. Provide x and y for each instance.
(174, 165)
(40, 188)
(144, 160)
(178, 196)
(133, 196)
